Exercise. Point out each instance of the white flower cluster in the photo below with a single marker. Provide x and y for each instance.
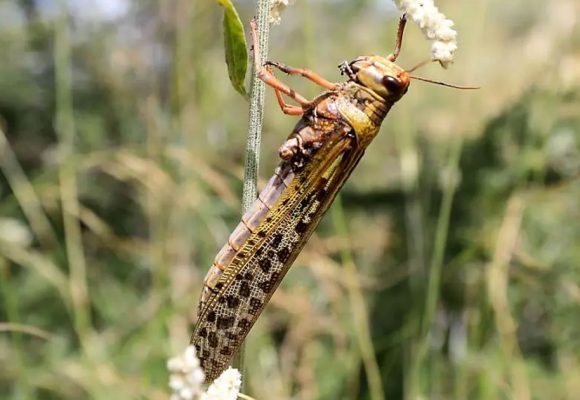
(435, 26)
(225, 387)
(187, 378)
(276, 7)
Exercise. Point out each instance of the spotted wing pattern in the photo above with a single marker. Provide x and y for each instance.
(238, 294)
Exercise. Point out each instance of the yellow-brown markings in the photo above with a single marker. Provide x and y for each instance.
(318, 157)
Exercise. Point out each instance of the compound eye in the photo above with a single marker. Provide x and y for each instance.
(392, 84)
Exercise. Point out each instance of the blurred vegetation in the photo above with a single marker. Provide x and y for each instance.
(453, 255)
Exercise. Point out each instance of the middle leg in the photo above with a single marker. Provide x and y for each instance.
(287, 108)
(306, 73)
(265, 74)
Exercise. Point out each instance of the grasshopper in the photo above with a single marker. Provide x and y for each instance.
(317, 158)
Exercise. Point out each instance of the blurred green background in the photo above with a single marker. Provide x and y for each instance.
(448, 269)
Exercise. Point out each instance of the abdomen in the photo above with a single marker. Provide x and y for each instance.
(264, 245)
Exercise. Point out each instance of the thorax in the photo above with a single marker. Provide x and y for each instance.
(363, 110)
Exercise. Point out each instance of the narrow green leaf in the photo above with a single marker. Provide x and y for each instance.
(235, 46)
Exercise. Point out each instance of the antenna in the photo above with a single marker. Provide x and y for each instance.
(444, 84)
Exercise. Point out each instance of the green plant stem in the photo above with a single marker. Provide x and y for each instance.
(254, 138)
(359, 310)
(440, 241)
(68, 180)
(436, 266)
(25, 194)
(256, 117)
(8, 295)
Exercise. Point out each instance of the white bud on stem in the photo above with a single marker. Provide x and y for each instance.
(276, 7)
(435, 26)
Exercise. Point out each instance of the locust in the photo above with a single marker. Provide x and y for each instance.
(316, 160)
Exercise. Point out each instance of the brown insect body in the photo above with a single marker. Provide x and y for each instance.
(318, 157)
